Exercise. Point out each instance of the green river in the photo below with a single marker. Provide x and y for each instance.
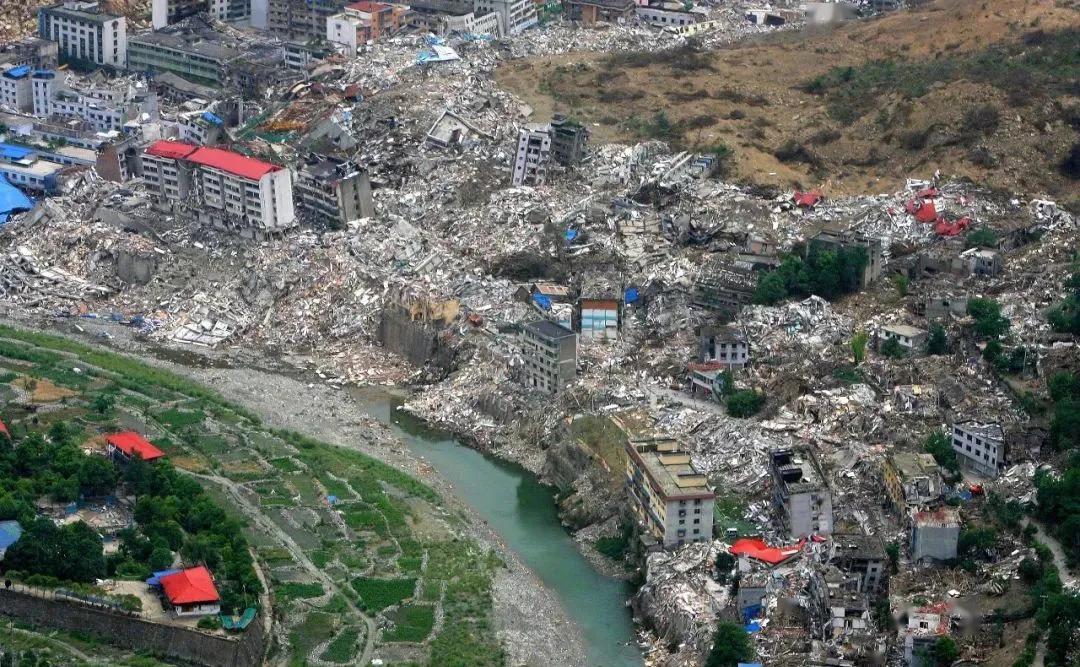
(523, 512)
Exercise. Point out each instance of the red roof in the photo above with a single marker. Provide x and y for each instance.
(130, 442)
(170, 149)
(369, 7)
(191, 586)
(234, 163)
(807, 199)
(756, 548)
(923, 210)
(4, 428)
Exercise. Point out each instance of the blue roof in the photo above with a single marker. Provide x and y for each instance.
(211, 118)
(12, 152)
(10, 532)
(542, 300)
(12, 200)
(156, 579)
(19, 72)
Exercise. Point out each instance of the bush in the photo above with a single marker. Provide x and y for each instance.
(980, 156)
(826, 136)
(893, 349)
(983, 119)
(938, 342)
(981, 237)
(793, 151)
(989, 323)
(976, 541)
(378, 594)
(1070, 165)
(731, 645)
(745, 403)
(914, 140)
(939, 445)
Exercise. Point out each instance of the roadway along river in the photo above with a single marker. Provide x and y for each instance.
(523, 512)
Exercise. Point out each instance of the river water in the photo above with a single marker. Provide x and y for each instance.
(524, 513)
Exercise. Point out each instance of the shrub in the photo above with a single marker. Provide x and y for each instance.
(939, 445)
(938, 342)
(825, 136)
(745, 403)
(983, 119)
(793, 151)
(1070, 166)
(914, 140)
(980, 156)
(731, 645)
(981, 237)
(893, 349)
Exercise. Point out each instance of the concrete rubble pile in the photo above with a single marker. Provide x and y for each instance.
(681, 598)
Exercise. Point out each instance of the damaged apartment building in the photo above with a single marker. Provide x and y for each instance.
(225, 189)
(669, 497)
(801, 497)
(549, 356)
(562, 139)
(85, 33)
(332, 192)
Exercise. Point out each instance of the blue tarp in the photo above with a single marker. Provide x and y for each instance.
(12, 152)
(18, 72)
(571, 234)
(631, 295)
(753, 626)
(543, 301)
(749, 664)
(155, 580)
(12, 200)
(211, 118)
(331, 500)
(10, 532)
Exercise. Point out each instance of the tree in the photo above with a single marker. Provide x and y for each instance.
(992, 352)
(725, 563)
(893, 349)
(939, 446)
(770, 289)
(900, 282)
(976, 541)
(745, 403)
(989, 322)
(71, 553)
(938, 342)
(892, 550)
(731, 645)
(858, 346)
(97, 476)
(945, 652)
(103, 404)
(160, 558)
(982, 237)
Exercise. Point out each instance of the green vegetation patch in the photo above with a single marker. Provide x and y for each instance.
(378, 594)
(343, 648)
(294, 590)
(180, 418)
(412, 623)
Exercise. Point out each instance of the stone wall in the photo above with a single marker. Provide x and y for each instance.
(245, 650)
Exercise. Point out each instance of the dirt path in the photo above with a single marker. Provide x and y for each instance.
(264, 522)
(1062, 563)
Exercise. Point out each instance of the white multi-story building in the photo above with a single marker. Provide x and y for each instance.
(515, 16)
(84, 32)
(533, 150)
(104, 108)
(229, 190)
(979, 447)
(16, 91)
(669, 497)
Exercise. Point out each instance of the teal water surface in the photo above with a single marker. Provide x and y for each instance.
(523, 513)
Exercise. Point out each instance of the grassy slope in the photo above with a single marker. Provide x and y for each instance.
(751, 97)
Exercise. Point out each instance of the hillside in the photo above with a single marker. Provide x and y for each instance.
(989, 91)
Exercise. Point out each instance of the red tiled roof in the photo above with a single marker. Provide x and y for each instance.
(191, 586)
(170, 149)
(130, 442)
(234, 163)
(4, 428)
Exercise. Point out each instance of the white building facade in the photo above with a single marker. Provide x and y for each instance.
(84, 32)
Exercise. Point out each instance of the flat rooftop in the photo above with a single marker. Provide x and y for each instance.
(670, 470)
(86, 12)
(799, 469)
(549, 329)
(903, 330)
(858, 546)
(988, 430)
(186, 43)
(914, 464)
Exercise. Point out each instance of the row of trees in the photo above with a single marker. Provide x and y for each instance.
(828, 273)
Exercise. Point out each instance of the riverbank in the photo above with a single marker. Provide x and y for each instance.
(531, 624)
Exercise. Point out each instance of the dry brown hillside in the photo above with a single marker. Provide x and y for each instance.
(978, 88)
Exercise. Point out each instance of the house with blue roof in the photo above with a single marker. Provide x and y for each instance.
(16, 89)
(10, 532)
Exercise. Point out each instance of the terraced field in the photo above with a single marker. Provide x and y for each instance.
(361, 559)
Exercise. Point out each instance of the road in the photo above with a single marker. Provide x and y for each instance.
(1062, 563)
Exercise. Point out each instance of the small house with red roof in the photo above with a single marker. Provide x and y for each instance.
(122, 447)
(191, 592)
